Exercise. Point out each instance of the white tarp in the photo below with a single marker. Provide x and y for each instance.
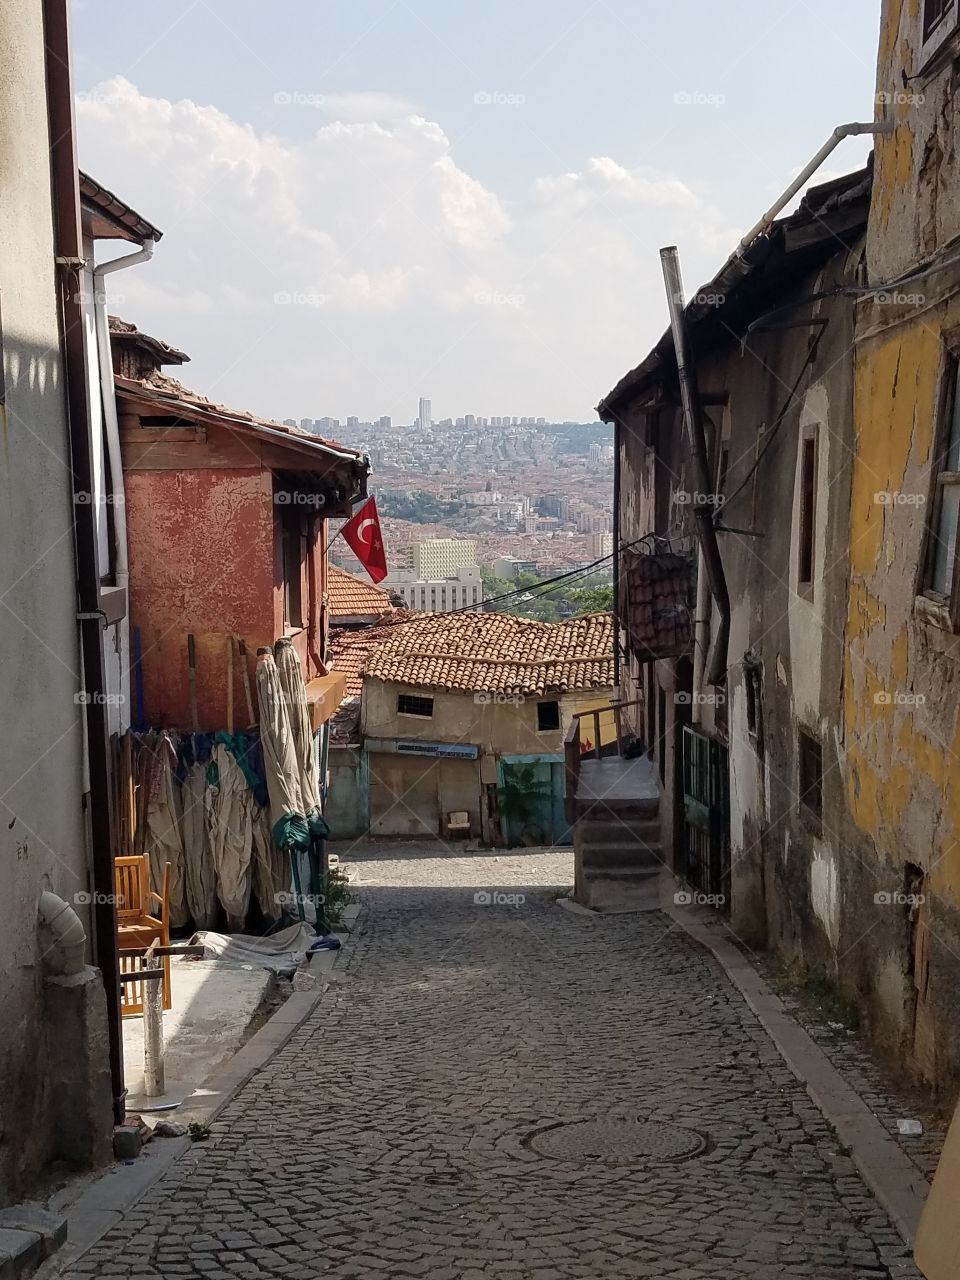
(271, 867)
(281, 951)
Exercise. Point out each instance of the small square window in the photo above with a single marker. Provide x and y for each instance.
(409, 704)
(810, 760)
(548, 716)
(939, 24)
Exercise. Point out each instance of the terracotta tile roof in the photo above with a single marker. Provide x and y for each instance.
(497, 653)
(352, 597)
(657, 603)
(158, 389)
(350, 650)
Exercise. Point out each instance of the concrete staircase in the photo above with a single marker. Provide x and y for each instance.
(617, 836)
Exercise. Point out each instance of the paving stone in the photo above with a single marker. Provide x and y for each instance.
(391, 1136)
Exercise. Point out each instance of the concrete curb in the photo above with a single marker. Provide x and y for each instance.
(102, 1205)
(895, 1182)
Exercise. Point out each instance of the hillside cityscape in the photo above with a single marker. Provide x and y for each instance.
(472, 507)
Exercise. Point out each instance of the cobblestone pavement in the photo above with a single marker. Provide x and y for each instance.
(411, 1127)
(889, 1098)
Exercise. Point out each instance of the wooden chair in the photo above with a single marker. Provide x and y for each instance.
(137, 928)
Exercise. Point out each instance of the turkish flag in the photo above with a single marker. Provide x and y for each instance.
(363, 536)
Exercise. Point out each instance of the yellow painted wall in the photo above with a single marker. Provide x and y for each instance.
(903, 758)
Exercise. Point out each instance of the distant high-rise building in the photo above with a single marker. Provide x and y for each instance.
(289, 422)
(442, 557)
(353, 423)
(384, 423)
(306, 424)
(541, 422)
(425, 416)
(469, 420)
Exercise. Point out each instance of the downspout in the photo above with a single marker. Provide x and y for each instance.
(111, 425)
(703, 507)
(68, 240)
(67, 931)
(710, 557)
(803, 177)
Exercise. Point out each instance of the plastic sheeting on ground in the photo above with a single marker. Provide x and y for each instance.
(282, 951)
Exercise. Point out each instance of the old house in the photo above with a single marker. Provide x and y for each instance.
(225, 520)
(465, 714)
(899, 746)
(744, 713)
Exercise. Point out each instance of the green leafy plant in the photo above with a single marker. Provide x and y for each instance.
(198, 1132)
(336, 895)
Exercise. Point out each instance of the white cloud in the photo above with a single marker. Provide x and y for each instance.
(398, 272)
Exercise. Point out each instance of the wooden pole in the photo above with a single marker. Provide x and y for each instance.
(229, 684)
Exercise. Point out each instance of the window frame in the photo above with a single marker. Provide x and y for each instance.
(809, 749)
(552, 728)
(807, 513)
(291, 530)
(936, 35)
(411, 698)
(938, 607)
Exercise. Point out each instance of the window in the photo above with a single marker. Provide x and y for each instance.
(939, 24)
(753, 687)
(810, 759)
(940, 576)
(808, 511)
(408, 704)
(292, 540)
(548, 716)
(936, 13)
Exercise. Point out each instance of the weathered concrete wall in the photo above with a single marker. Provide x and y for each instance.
(902, 685)
(902, 679)
(41, 764)
(915, 211)
(348, 800)
(411, 794)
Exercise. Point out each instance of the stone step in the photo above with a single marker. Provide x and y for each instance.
(612, 809)
(619, 830)
(619, 892)
(29, 1234)
(626, 874)
(594, 854)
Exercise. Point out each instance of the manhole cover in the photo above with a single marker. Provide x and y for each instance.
(618, 1141)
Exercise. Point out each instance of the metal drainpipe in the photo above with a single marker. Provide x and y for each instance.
(703, 507)
(69, 256)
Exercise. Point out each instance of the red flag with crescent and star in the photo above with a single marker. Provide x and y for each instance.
(363, 536)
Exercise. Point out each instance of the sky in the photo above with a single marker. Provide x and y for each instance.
(366, 201)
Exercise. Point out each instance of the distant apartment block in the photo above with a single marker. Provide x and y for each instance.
(442, 557)
(459, 590)
(425, 415)
(601, 544)
(512, 567)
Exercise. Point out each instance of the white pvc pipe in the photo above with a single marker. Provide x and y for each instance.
(111, 430)
(69, 935)
(800, 181)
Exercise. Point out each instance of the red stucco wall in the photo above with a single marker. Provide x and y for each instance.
(201, 548)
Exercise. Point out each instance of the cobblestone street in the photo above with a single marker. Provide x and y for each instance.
(431, 1118)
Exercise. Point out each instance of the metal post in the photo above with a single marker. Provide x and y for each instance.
(153, 1081)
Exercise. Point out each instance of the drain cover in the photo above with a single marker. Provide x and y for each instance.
(618, 1141)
